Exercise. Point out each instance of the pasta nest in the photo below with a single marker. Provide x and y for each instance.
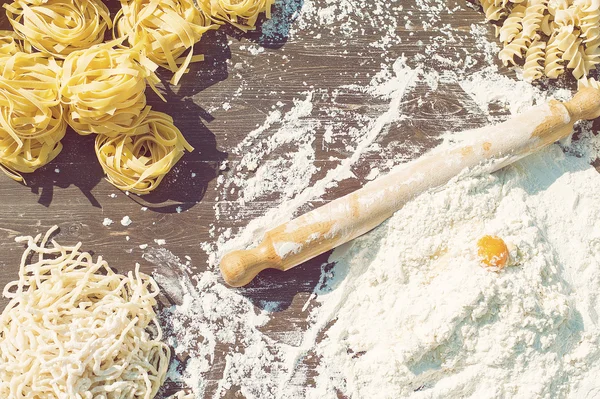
(76, 329)
(167, 28)
(59, 27)
(8, 44)
(240, 13)
(138, 162)
(103, 89)
(31, 115)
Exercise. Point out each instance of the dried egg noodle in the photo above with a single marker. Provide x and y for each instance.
(167, 28)
(31, 115)
(8, 44)
(100, 88)
(75, 329)
(59, 27)
(240, 13)
(139, 161)
(103, 88)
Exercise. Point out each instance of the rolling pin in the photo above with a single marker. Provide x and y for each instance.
(489, 148)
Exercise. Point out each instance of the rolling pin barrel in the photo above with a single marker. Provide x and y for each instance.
(489, 148)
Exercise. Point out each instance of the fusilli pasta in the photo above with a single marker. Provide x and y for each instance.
(548, 37)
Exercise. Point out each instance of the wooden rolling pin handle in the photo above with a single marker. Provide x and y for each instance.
(350, 216)
(585, 104)
(240, 267)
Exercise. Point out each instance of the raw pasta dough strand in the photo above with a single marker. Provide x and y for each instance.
(103, 88)
(240, 13)
(59, 27)
(31, 115)
(167, 28)
(139, 161)
(76, 329)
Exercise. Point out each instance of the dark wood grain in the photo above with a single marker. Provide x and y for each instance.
(72, 193)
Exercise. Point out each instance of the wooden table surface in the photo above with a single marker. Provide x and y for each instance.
(72, 193)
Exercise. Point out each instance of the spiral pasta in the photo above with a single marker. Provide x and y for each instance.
(533, 17)
(515, 49)
(240, 13)
(565, 33)
(588, 82)
(103, 89)
(493, 11)
(533, 68)
(167, 28)
(59, 27)
(554, 64)
(590, 29)
(513, 25)
(139, 161)
(31, 115)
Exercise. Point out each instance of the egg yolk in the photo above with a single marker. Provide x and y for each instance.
(492, 251)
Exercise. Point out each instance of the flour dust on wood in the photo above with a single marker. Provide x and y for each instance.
(405, 311)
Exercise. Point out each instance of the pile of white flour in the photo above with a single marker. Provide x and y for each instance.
(406, 310)
(417, 316)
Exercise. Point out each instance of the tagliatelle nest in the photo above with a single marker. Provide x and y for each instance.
(100, 88)
(103, 88)
(167, 28)
(8, 44)
(31, 115)
(240, 13)
(59, 27)
(139, 161)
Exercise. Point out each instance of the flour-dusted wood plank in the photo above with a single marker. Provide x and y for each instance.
(216, 106)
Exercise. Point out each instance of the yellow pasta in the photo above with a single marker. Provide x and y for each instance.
(8, 44)
(565, 33)
(99, 88)
(167, 28)
(534, 58)
(59, 27)
(76, 329)
(588, 82)
(103, 89)
(31, 115)
(138, 162)
(240, 13)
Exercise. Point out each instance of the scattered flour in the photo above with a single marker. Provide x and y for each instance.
(210, 313)
(283, 249)
(415, 315)
(406, 310)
